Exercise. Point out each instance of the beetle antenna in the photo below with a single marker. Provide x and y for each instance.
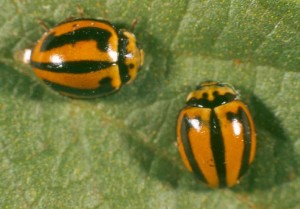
(133, 24)
(42, 24)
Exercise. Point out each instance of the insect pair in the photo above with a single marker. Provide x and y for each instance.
(88, 58)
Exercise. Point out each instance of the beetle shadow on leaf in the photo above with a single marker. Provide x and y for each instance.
(153, 76)
(160, 164)
(153, 162)
(21, 85)
(275, 162)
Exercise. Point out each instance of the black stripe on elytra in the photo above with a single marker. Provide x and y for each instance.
(104, 89)
(73, 67)
(241, 116)
(101, 36)
(218, 149)
(184, 131)
(124, 71)
(218, 100)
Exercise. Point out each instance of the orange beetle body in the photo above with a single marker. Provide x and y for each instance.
(86, 58)
(216, 135)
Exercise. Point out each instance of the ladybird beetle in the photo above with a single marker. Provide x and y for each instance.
(216, 135)
(86, 58)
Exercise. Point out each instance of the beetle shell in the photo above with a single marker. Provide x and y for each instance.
(216, 135)
(86, 58)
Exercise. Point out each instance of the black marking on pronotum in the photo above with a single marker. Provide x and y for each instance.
(218, 100)
(124, 71)
(184, 131)
(218, 149)
(101, 36)
(241, 116)
(73, 67)
(131, 66)
(104, 88)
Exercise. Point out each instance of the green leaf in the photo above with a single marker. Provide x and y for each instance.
(120, 151)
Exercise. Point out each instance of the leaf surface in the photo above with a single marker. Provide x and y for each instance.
(119, 151)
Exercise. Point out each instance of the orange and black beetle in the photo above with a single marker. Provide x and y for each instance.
(86, 58)
(216, 135)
